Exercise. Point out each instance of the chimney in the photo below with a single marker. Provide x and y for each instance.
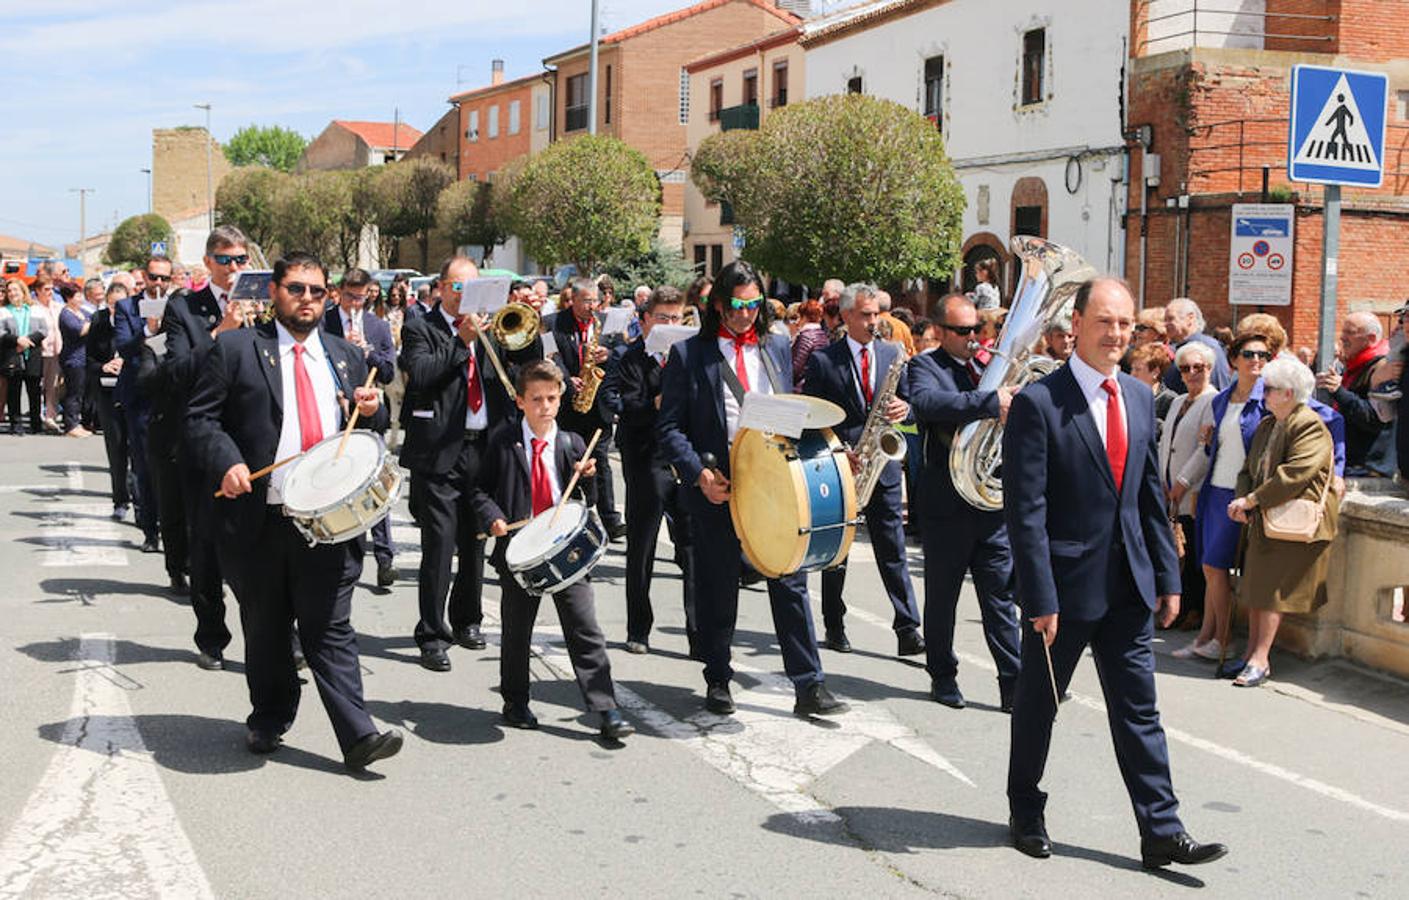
(496, 71)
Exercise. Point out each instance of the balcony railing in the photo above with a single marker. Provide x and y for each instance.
(576, 118)
(1297, 25)
(743, 116)
(1229, 156)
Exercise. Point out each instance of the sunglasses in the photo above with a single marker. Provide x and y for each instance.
(746, 302)
(962, 330)
(298, 289)
(1142, 328)
(457, 286)
(151, 277)
(226, 259)
(1256, 354)
(1195, 367)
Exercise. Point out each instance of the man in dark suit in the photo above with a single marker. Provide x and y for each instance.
(453, 394)
(652, 492)
(702, 391)
(266, 393)
(850, 373)
(350, 321)
(960, 539)
(192, 323)
(573, 329)
(1090, 534)
(423, 300)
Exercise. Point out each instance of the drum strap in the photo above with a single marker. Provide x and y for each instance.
(731, 378)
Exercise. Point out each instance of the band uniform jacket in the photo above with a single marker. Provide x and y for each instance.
(382, 354)
(831, 374)
(504, 490)
(563, 327)
(636, 387)
(943, 399)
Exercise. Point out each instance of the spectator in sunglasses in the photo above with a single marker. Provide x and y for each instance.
(1182, 466)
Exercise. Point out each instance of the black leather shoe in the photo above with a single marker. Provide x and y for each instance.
(470, 637)
(1031, 837)
(372, 748)
(910, 643)
(386, 574)
(617, 532)
(300, 661)
(150, 545)
(434, 659)
(614, 726)
(210, 660)
(1007, 687)
(718, 700)
(262, 742)
(818, 701)
(518, 715)
(179, 585)
(836, 640)
(1181, 848)
(945, 691)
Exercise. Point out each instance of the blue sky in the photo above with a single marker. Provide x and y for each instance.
(86, 81)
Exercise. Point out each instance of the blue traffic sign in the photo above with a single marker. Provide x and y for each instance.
(158, 248)
(1337, 128)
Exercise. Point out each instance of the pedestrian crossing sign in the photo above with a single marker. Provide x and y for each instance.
(1337, 127)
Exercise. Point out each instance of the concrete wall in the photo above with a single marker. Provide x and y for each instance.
(179, 169)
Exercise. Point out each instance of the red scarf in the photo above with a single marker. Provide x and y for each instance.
(1362, 359)
(740, 342)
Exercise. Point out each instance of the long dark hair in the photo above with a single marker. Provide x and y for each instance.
(737, 274)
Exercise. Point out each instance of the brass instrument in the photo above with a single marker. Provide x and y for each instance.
(1051, 275)
(880, 442)
(515, 326)
(591, 375)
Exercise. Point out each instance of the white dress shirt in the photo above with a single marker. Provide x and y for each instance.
(221, 295)
(758, 381)
(856, 349)
(1090, 382)
(320, 373)
(353, 323)
(549, 457)
(474, 421)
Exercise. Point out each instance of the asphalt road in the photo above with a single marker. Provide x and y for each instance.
(126, 776)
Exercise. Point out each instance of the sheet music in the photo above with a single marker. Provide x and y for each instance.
(485, 296)
(618, 319)
(152, 309)
(775, 414)
(157, 344)
(663, 337)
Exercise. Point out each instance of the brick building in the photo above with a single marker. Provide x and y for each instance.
(179, 169)
(441, 141)
(643, 89)
(1213, 90)
(347, 144)
(496, 123)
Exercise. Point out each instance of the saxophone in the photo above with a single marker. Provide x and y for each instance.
(880, 442)
(592, 375)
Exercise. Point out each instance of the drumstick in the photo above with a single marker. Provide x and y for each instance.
(1051, 676)
(352, 420)
(513, 526)
(572, 483)
(255, 476)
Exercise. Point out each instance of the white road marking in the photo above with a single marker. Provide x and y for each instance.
(100, 823)
(74, 474)
(83, 535)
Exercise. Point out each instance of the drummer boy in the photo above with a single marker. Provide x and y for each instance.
(524, 471)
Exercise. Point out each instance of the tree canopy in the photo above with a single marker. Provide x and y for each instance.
(132, 239)
(466, 214)
(268, 145)
(409, 196)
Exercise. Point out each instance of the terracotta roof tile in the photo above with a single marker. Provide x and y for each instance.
(678, 15)
(380, 134)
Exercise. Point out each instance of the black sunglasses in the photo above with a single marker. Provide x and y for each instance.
(963, 330)
(297, 288)
(226, 259)
(1255, 354)
(151, 277)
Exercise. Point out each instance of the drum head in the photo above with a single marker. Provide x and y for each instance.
(536, 540)
(322, 479)
(821, 413)
(768, 503)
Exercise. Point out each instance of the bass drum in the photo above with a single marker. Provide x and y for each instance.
(793, 502)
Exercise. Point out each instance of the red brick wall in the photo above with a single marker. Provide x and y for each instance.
(479, 158)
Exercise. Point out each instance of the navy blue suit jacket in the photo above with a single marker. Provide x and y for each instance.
(381, 353)
(691, 418)
(1066, 521)
(943, 399)
(129, 336)
(831, 375)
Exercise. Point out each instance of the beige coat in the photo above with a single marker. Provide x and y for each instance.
(1287, 460)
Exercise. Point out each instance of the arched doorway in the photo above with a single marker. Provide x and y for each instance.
(981, 246)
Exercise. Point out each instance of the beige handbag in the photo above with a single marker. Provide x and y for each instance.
(1297, 520)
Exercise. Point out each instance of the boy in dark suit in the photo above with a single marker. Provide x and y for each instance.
(516, 481)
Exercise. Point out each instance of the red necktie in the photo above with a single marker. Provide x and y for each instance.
(474, 393)
(538, 479)
(310, 424)
(740, 342)
(1115, 432)
(866, 375)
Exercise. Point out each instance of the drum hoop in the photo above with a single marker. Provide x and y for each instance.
(382, 463)
(577, 576)
(552, 548)
(799, 484)
(849, 508)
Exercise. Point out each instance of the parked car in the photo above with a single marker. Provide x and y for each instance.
(385, 277)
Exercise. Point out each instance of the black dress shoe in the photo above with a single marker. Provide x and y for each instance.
(818, 701)
(470, 637)
(434, 658)
(518, 715)
(617, 532)
(150, 545)
(614, 726)
(386, 574)
(1007, 688)
(262, 742)
(1181, 848)
(836, 640)
(300, 661)
(1031, 837)
(179, 585)
(210, 660)
(910, 643)
(718, 700)
(372, 748)
(945, 691)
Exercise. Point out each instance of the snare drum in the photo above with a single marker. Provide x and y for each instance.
(547, 556)
(332, 499)
(793, 502)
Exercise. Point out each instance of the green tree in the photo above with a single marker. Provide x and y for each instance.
(132, 239)
(303, 219)
(659, 266)
(245, 199)
(465, 214)
(588, 201)
(848, 186)
(371, 206)
(272, 146)
(410, 191)
(335, 193)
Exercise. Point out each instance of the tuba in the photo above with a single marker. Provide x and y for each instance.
(1051, 275)
(515, 326)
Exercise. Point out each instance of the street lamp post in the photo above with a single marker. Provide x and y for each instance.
(148, 173)
(82, 216)
(209, 184)
(592, 77)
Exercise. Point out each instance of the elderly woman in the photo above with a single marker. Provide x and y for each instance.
(46, 306)
(1182, 466)
(811, 337)
(1147, 364)
(1226, 428)
(1291, 458)
(21, 338)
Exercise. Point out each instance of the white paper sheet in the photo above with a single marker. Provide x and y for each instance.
(618, 319)
(774, 414)
(485, 296)
(663, 337)
(152, 309)
(157, 344)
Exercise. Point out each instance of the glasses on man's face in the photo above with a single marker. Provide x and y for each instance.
(1188, 368)
(298, 289)
(151, 277)
(663, 318)
(457, 286)
(743, 303)
(1263, 355)
(226, 259)
(359, 296)
(961, 330)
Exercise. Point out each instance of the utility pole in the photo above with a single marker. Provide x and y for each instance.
(82, 216)
(592, 76)
(148, 173)
(395, 132)
(209, 172)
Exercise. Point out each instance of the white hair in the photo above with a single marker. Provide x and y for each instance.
(834, 284)
(1283, 373)
(1194, 348)
(642, 292)
(883, 300)
(853, 292)
(1183, 306)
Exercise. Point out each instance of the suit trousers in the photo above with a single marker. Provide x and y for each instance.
(449, 528)
(280, 581)
(147, 502)
(115, 443)
(1120, 643)
(207, 589)
(886, 527)
(31, 386)
(717, 565)
(168, 485)
(974, 542)
(652, 494)
(75, 390)
(586, 645)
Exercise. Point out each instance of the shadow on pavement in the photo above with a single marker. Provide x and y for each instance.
(440, 723)
(98, 587)
(125, 652)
